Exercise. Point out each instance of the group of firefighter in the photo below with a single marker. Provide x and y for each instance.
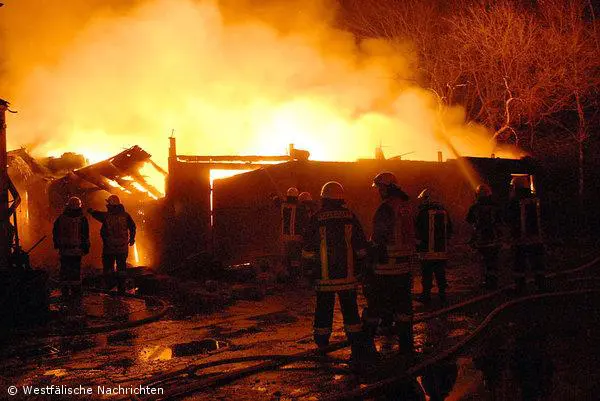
(329, 247)
(71, 236)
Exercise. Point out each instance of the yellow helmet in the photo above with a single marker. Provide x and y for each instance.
(332, 190)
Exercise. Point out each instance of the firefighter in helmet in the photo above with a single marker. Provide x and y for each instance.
(523, 218)
(433, 228)
(291, 232)
(308, 205)
(71, 236)
(334, 253)
(117, 232)
(485, 216)
(389, 282)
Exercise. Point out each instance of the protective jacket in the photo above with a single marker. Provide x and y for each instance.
(486, 217)
(393, 239)
(523, 216)
(291, 220)
(335, 244)
(433, 229)
(71, 233)
(117, 231)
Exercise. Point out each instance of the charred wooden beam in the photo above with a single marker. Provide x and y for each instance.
(233, 159)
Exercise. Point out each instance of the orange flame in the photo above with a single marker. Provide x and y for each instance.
(228, 82)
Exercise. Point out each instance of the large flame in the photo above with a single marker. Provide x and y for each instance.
(228, 82)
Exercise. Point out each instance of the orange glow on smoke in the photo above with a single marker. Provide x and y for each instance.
(225, 80)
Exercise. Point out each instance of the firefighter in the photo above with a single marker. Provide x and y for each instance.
(291, 233)
(117, 232)
(389, 283)
(71, 236)
(485, 217)
(523, 218)
(433, 228)
(335, 248)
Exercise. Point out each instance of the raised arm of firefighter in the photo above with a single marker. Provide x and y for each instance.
(97, 214)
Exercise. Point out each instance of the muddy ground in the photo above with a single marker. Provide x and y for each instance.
(281, 323)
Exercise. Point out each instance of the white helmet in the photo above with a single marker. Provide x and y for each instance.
(304, 197)
(483, 191)
(113, 200)
(332, 190)
(292, 192)
(385, 179)
(74, 203)
(425, 195)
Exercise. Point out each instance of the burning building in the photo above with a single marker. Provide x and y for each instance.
(235, 218)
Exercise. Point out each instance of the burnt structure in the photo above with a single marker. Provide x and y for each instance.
(246, 224)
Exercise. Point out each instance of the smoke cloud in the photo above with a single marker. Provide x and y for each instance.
(229, 78)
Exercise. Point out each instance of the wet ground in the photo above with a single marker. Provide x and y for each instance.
(281, 324)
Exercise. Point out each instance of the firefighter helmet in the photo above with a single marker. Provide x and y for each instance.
(113, 200)
(385, 179)
(425, 195)
(292, 192)
(74, 203)
(332, 190)
(304, 197)
(483, 191)
(520, 181)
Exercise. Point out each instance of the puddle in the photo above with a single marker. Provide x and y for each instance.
(275, 317)
(56, 372)
(121, 338)
(197, 347)
(162, 353)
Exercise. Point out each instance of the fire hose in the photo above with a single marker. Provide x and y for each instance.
(271, 364)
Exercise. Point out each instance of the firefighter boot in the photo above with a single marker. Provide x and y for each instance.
(541, 282)
(442, 295)
(491, 282)
(424, 297)
(65, 293)
(520, 285)
(405, 338)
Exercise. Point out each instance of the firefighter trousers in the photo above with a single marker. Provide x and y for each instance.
(534, 256)
(70, 275)
(389, 303)
(429, 268)
(489, 257)
(323, 323)
(108, 268)
(292, 256)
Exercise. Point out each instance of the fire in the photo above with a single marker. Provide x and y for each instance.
(227, 81)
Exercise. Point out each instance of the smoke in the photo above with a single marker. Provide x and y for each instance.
(229, 78)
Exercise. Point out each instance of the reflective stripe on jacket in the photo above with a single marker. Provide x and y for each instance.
(335, 242)
(485, 217)
(525, 220)
(433, 228)
(394, 237)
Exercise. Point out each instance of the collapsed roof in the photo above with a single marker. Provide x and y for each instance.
(119, 174)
